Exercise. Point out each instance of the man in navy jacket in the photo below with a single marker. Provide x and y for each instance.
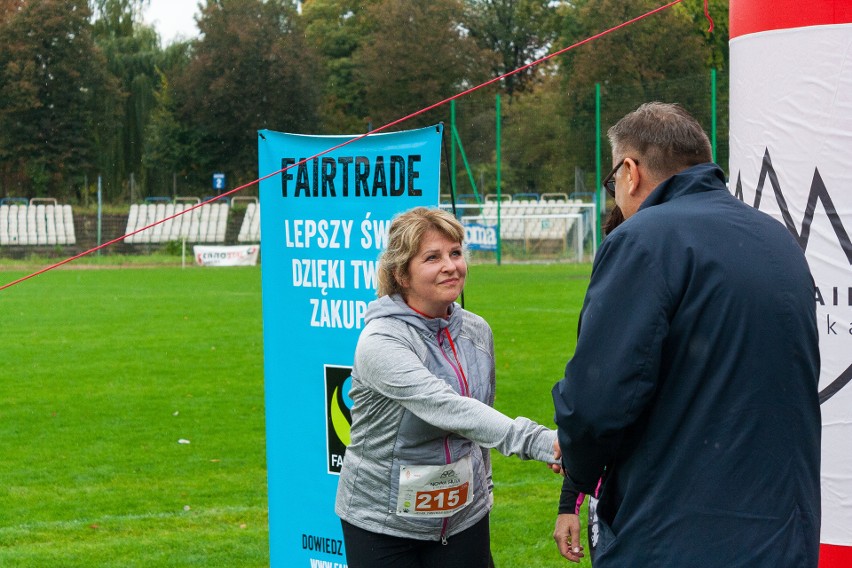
(692, 394)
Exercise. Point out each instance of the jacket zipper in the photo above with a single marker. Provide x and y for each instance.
(446, 520)
(463, 387)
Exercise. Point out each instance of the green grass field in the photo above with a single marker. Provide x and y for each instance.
(104, 371)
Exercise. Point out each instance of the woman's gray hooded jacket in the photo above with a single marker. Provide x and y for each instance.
(409, 407)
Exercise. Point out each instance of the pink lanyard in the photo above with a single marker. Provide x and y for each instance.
(453, 348)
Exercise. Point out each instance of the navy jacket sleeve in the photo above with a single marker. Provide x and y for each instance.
(612, 377)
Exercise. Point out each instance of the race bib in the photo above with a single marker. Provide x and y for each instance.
(434, 490)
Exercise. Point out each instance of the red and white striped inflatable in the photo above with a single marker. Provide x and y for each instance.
(791, 156)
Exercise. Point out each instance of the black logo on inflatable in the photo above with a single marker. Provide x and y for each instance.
(819, 192)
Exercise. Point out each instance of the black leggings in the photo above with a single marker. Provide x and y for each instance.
(467, 549)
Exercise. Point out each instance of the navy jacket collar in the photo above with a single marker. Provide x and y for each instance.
(697, 179)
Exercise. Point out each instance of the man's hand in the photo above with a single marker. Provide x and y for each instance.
(567, 537)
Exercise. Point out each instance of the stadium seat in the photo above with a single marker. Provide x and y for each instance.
(555, 197)
(212, 224)
(4, 224)
(166, 227)
(40, 224)
(14, 217)
(203, 224)
(32, 232)
(21, 215)
(50, 224)
(206, 224)
(159, 215)
(222, 226)
(250, 227)
(68, 221)
(35, 224)
(59, 222)
(132, 218)
(241, 236)
(176, 223)
(145, 215)
(194, 221)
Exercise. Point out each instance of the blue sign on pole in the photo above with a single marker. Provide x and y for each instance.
(480, 237)
(219, 182)
(324, 223)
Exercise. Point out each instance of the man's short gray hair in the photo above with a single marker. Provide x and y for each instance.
(666, 138)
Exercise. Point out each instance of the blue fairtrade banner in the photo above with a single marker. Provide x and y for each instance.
(323, 224)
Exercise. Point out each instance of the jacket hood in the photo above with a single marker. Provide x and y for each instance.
(394, 306)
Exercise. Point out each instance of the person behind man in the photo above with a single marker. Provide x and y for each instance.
(571, 501)
(693, 387)
(415, 488)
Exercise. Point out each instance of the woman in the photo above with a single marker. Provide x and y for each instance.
(415, 489)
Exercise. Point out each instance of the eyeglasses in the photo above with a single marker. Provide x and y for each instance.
(609, 181)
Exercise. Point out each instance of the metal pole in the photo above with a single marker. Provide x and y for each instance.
(713, 110)
(453, 182)
(100, 213)
(499, 200)
(600, 197)
(460, 147)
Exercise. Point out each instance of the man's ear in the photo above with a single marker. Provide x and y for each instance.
(632, 176)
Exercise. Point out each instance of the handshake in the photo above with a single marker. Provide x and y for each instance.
(557, 458)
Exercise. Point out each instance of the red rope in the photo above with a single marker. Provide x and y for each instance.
(362, 136)
(707, 15)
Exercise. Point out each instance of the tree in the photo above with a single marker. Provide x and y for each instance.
(536, 128)
(658, 58)
(251, 69)
(8, 9)
(416, 53)
(133, 57)
(170, 147)
(518, 31)
(335, 30)
(55, 97)
(117, 18)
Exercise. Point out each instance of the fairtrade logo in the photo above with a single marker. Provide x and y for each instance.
(818, 191)
(339, 417)
(338, 414)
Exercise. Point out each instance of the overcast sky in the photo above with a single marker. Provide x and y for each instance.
(173, 19)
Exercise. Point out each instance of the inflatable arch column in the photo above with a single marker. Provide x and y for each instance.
(791, 156)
